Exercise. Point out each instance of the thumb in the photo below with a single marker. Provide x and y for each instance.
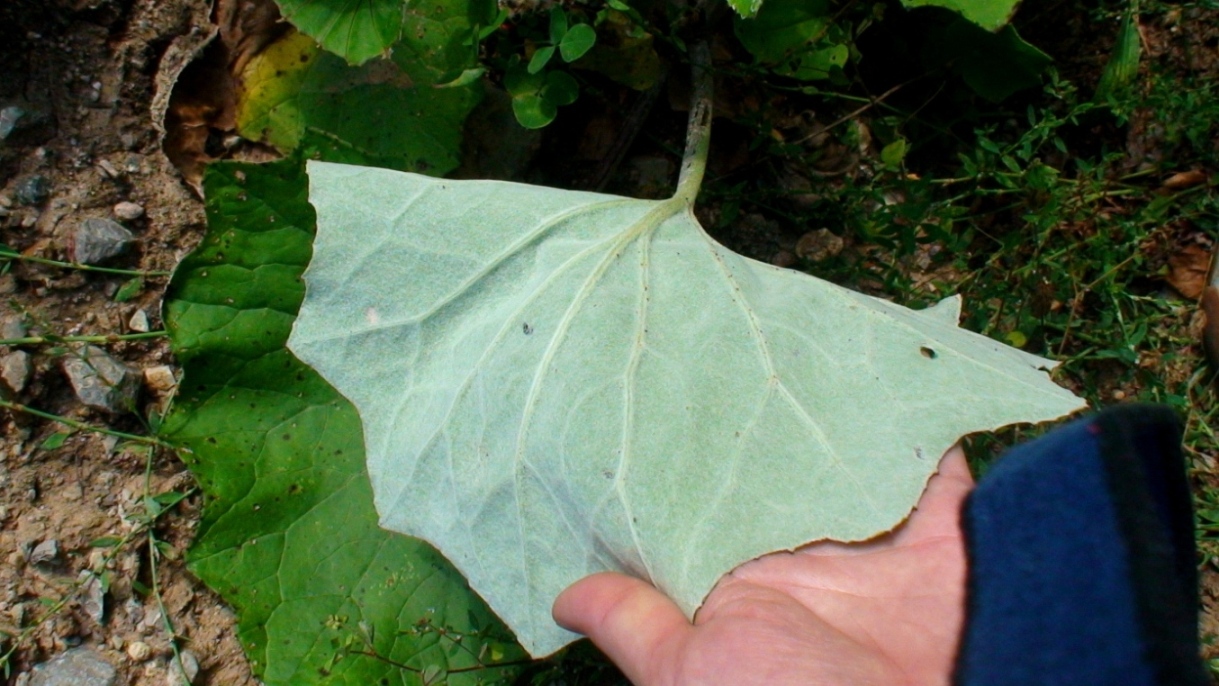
(634, 624)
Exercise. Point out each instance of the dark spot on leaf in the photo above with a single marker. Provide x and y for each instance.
(526, 328)
(287, 437)
(294, 488)
(927, 352)
(211, 439)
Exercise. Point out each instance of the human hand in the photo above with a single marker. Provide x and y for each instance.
(885, 612)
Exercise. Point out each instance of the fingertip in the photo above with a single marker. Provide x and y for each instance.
(627, 618)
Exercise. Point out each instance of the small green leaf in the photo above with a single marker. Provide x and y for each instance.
(467, 77)
(55, 441)
(578, 41)
(540, 58)
(520, 81)
(561, 88)
(105, 542)
(533, 111)
(130, 289)
(893, 153)
(1123, 64)
(558, 24)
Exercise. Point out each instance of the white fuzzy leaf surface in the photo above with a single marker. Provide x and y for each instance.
(556, 383)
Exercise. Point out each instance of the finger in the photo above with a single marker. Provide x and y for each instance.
(634, 624)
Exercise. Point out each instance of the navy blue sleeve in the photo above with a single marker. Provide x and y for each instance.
(1081, 554)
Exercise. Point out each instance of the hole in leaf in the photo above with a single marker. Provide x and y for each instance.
(927, 352)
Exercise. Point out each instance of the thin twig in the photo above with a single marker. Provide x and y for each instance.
(9, 254)
(82, 426)
(102, 338)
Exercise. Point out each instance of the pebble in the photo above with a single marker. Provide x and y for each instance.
(138, 651)
(16, 120)
(44, 552)
(128, 211)
(138, 322)
(160, 379)
(12, 327)
(80, 666)
(818, 245)
(100, 381)
(93, 598)
(15, 369)
(97, 240)
(32, 190)
(190, 664)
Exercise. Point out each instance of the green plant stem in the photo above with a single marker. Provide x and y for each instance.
(82, 426)
(698, 131)
(9, 254)
(105, 338)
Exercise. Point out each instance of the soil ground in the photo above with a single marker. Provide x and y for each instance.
(95, 68)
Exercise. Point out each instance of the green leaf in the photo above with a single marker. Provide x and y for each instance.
(130, 289)
(578, 41)
(987, 14)
(356, 31)
(533, 111)
(540, 57)
(894, 153)
(561, 88)
(467, 77)
(555, 383)
(558, 24)
(1123, 64)
(289, 536)
(387, 112)
(994, 65)
(55, 441)
(745, 8)
(792, 37)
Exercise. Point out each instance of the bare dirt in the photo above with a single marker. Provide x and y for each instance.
(92, 69)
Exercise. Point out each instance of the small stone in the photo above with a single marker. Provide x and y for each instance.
(12, 327)
(819, 245)
(44, 552)
(93, 595)
(15, 369)
(23, 124)
(100, 381)
(8, 284)
(182, 674)
(160, 379)
(128, 211)
(138, 322)
(80, 666)
(97, 240)
(32, 190)
(138, 651)
(108, 168)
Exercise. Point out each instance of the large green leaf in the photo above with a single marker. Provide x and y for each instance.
(989, 14)
(386, 113)
(289, 535)
(359, 30)
(555, 383)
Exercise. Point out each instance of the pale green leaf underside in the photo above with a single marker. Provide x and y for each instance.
(556, 383)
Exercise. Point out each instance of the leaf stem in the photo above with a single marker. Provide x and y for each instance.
(102, 338)
(82, 426)
(11, 255)
(698, 130)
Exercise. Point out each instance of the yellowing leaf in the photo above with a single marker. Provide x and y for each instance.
(555, 383)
